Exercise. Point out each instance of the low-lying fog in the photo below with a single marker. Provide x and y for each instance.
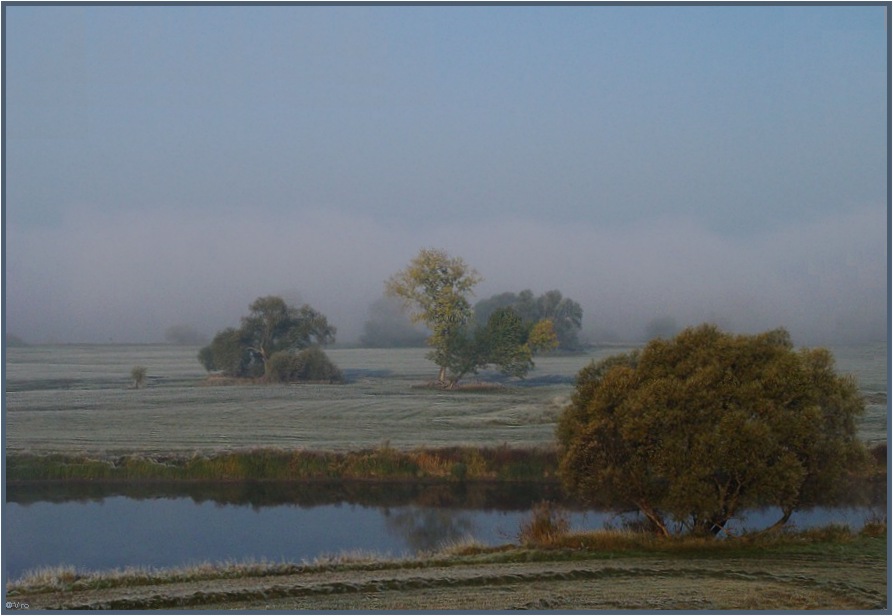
(166, 165)
(127, 278)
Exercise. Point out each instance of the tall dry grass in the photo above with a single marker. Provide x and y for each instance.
(383, 462)
(547, 526)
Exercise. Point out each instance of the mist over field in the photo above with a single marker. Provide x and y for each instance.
(167, 165)
(127, 279)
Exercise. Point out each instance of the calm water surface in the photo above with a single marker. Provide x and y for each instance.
(122, 530)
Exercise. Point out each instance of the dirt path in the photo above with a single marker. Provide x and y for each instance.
(649, 583)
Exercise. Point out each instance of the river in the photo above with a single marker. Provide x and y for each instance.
(95, 527)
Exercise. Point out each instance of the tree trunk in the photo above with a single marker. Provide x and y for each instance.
(442, 376)
(654, 517)
(786, 515)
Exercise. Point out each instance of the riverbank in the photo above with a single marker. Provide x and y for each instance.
(829, 569)
(381, 463)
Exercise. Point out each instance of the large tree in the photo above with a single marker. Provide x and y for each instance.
(505, 342)
(692, 430)
(435, 288)
(272, 326)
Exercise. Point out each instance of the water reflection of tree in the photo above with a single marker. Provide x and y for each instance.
(425, 529)
(486, 496)
(501, 496)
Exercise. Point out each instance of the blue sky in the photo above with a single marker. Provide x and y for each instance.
(167, 164)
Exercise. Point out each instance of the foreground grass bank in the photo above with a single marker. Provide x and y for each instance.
(384, 462)
(830, 568)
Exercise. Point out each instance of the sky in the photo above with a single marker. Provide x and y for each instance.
(166, 165)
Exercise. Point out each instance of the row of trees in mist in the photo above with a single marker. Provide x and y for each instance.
(435, 290)
(279, 342)
(689, 430)
(388, 325)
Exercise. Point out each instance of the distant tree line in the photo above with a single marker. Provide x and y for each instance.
(184, 335)
(565, 314)
(388, 325)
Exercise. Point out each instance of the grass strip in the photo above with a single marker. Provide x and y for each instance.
(448, 464)
(840, 543)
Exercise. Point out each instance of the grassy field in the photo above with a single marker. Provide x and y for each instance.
(63, 399)
(839, 572)
(78, 399)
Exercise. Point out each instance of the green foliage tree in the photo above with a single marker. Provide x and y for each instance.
(272, 326)
(694, 429)
(227, 353)
(435, 287)
(504, 344)
(565, 314)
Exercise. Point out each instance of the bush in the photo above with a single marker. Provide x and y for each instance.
(138, 376)
(547, 526)
(311, 364)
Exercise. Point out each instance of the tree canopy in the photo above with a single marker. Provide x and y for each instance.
(692, 430)
(436, 287)
(271, 327)
(505, 342)
(565, 314)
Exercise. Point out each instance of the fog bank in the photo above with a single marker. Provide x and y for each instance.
(127, 277)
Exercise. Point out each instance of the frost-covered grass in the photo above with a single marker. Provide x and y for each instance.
(63, 399)
(78, 399)
(605, 544)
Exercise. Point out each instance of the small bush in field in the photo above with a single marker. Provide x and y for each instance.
(547, 526)
(138, 376)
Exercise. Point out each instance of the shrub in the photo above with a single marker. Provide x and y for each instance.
(546, 527)
(138, 376)
(283, 367)
(311, 364)
(315, 365)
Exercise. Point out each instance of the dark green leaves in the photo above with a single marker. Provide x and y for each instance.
(271, 327)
